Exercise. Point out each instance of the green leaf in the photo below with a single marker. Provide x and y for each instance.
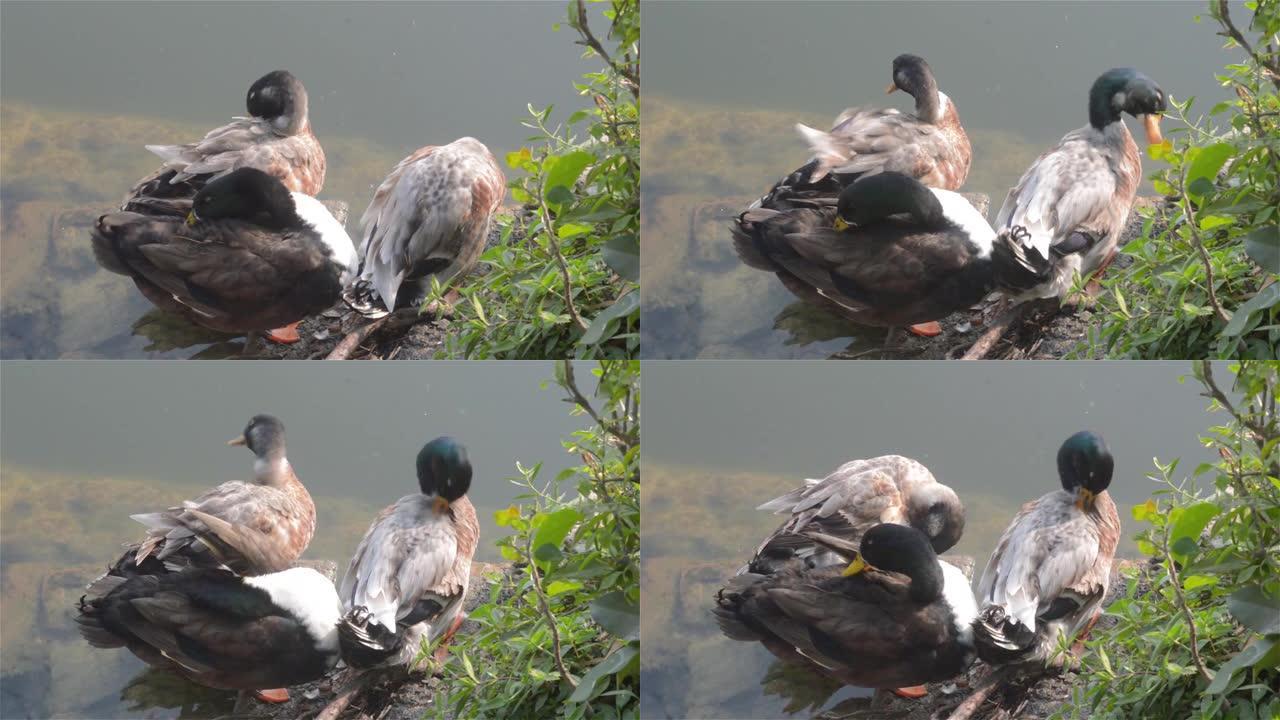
(1212, 222)
(1209, 161)
(617, 661)
(1183, 548)
(622, 254)
(1255, 610)
(548, 555)
(1262, 245)
(560, 587)
(614, 613)
(568, 230)
(1192, 520)
(506, 516)
(1198, 581)
(622, 307)
(1199, 187)
(563, 170)
(1243, 659)
(554, 527)
(1265, 299)
(559, 196)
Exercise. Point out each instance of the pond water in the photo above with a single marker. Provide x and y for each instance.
(725, 83)
(87, 444)
(86, 85)
(723, 437)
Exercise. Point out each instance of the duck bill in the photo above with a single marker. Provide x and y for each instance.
(240, 441)
(440, 505)
(1151, 122)
(840, 224)
(891, 88)
(1084, 498)
(191, 218)
(858, 565)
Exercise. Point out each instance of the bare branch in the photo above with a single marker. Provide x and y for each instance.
(628, 72)
(545, 607)
(1182, 605)
(1223, 17)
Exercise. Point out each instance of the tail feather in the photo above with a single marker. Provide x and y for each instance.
(1019, 265)
(999, 638)
(365, 644)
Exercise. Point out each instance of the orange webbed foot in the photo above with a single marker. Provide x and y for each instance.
(915, 692)
(286, 335)
(276, 695)
(929, 329)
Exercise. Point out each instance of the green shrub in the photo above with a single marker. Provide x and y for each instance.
(570, 286)
(560, 636)
(1203, 641)
(1205, 286)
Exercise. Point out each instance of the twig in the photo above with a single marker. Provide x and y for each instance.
(554, 243)
(1182, 605)
(994, 679)
(353, 340)
(626, 437)
(1224, 19)
(998, 328)
(1190, 219)
(343, 696)
(546, 613)
(632, 76)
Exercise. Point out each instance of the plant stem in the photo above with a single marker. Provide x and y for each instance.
(1190, 219)
(1224, 19)
(1182, 605)
(625, 437)
(631, 74)
(546, 613)
(554, 243)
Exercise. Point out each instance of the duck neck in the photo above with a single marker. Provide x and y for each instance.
(1101, 112)
(930, 103)
(272, 470)
(926, 584)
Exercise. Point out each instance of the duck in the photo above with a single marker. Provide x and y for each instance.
(276, 138)
(929, 144)
(1048, 575)
(408, 577)
(895, 617)
(429, 219)
(249, 528)
(250, 256)
(1065, 216)
(887, 251)
(219, 629)
(857, 496)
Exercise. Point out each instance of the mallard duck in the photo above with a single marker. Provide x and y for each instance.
(859, 495)
(428, 219)
(887, 252)
(251, 256)
(896, 616)
(250, 528)
(929, 145)
(1049, 572)
(1065, 216)
(408, 577)
(276, 138)
(219, 629)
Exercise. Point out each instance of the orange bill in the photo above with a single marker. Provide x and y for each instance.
(1152, 123)
(277, 695)
(889, 90)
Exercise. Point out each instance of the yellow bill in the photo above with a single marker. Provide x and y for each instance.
(840, 224)
(1084, 498)
(238, 441)
(1151, 122)
(855, 567)
(191, 218)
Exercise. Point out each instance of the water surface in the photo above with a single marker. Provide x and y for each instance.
(725, 83)
(86, 85)
(86, 444)
(723, 437)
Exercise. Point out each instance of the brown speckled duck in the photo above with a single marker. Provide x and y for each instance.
(276, 138)
(250, 528)
(855, 497)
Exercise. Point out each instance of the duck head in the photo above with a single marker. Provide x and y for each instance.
(937, 510)
(888, 193)
(1122, 90)
(1084, 466)
(246, 194)
(279, 98)
(912, 75)
(902, 549)
(264, 436)
(444, 471)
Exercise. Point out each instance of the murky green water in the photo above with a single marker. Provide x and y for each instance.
(86, 85)
(87, 444)
(722, 437)
(725, 82)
